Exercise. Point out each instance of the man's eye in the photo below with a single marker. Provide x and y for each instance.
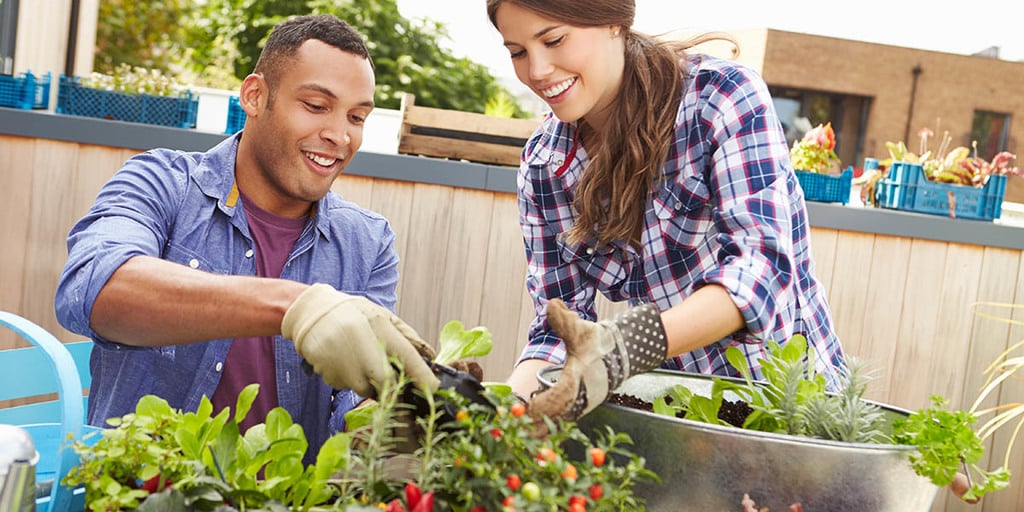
(315, 107)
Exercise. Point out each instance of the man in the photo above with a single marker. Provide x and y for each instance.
(192, 272)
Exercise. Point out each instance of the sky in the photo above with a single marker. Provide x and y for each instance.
(971, 28)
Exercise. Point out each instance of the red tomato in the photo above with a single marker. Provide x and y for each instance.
(514, 482)
(597, 456)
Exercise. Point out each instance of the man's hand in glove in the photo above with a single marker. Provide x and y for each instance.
(599, 356)
(348, 339)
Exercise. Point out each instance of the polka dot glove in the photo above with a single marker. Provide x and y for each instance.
(599, 356)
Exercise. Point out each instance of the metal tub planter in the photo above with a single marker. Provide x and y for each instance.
(708, 468)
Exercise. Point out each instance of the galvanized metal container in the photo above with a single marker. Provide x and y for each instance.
(709, 468)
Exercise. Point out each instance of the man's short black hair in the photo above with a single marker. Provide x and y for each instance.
(286, 38)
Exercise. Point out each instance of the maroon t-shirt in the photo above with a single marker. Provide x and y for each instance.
(252, 359)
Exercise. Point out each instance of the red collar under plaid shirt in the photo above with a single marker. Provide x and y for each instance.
(728, 211)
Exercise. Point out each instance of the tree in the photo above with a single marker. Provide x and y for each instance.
(143, 34)
(217, 43)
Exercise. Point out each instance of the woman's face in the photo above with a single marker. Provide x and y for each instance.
(576, 70)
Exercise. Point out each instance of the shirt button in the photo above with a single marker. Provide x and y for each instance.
(559, 162)
(590, 251)
(248, 254)
(194, 263)
(679, 204)
(219, 367)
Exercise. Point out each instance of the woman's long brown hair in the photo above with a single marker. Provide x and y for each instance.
(627, 156)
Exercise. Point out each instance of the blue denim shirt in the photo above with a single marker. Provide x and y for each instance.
(183, 207)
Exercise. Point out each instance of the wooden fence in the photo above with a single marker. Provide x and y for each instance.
(904, 304)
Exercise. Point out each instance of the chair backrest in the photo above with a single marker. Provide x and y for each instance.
(24, 374)
(20, 379)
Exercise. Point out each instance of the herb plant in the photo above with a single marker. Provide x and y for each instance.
(159, 458)
(792, 400)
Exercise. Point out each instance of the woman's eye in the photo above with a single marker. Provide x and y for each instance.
(517, 54)
(555, 42)
(315, 107)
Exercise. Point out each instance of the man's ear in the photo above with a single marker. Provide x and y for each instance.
(253, 95)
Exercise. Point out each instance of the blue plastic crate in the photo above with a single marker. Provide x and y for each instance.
(25, 91)
(906, 188)
(77, 100)
(236, 116)
(826, 188)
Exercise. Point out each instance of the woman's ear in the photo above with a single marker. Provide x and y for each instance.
(253, 94)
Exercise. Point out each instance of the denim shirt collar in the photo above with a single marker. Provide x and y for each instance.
(215, 176)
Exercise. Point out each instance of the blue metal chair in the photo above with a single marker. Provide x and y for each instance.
(53, 424)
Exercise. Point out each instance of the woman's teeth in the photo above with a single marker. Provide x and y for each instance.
(551, 92)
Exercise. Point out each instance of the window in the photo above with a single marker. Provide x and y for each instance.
(990, 130)
(800, 110)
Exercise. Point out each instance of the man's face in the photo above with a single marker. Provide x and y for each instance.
(297, 144)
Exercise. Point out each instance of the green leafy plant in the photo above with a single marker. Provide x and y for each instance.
(815, 152)
(133, 80)
(160, 458)
(793, 400)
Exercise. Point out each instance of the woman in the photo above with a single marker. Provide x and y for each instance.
(663, 179)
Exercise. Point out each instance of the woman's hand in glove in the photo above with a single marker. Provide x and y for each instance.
(599, 356)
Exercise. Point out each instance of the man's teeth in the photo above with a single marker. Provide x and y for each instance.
(558, 89)
(326, 162)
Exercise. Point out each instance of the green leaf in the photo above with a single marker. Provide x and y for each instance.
(458, 343)
(245, 400)
(170, 500)
(360, 416)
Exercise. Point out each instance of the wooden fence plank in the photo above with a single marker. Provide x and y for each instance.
(393, 200)
(425, 252)
(883, 313)
(989, 338)
(50, 218)
(462, 271)
(1011, 392)
(17, 168)
(917, 328)
(358, 189)
(503, 284)
(848, 290)
(823, 250)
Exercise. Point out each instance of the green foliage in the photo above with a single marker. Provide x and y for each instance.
(201, 461)
(216, 43)
(471, 465)
(458, 343)
(160, 459)
(793, 400)
(140, 34)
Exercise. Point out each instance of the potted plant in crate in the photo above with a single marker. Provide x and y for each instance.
(949, 181)
(472, 456)
(817, 166)
(131, 94)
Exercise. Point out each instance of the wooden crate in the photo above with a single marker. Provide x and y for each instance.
(462, 135)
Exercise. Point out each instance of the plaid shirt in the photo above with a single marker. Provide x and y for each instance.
(727, 211)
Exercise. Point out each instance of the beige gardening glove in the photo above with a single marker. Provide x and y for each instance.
(348, 339)
(599, 356)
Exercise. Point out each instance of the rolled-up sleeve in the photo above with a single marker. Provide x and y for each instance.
(131, 217)
(749, 165)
